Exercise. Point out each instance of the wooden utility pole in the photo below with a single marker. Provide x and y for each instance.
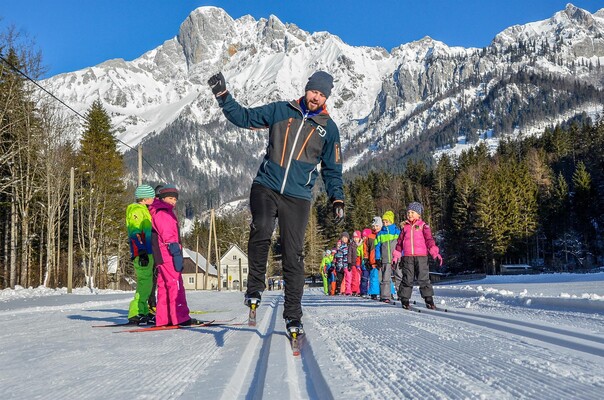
(197, 258)
(140, 164)
(240, 276)
(70, 242)
(209, 256)
(210, 231)
(218, 272)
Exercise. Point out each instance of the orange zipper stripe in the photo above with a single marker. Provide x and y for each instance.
(289, 123)
(305, 142)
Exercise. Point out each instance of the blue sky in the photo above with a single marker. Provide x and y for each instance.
(74, 34)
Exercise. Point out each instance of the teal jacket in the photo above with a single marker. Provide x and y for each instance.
(298, 142)
(385, 243)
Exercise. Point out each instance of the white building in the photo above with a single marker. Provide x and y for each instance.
(234, 268)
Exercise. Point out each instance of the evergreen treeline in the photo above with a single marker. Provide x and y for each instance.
(537, 200)
(37, 153)
(515, 102)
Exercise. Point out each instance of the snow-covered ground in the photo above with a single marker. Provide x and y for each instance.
(534, 337)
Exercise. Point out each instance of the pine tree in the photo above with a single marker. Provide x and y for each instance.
(362, 208)
(582, 202)
(101, 202)
(314, 244)
(442, 191)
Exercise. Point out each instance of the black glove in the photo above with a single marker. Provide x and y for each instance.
(338, 210)
(218, 85)
(176, 252)
(143, 258)
(378, 263)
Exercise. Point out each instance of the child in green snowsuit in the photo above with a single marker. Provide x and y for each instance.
(325, 264)
(138, 223)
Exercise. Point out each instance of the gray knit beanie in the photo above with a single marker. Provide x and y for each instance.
(417, 207)
(321, 81)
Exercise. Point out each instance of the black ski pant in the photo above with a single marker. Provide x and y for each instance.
(339, 279)
(267, 205)
(415, 267)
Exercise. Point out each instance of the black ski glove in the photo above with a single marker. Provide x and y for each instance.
(338, 210)
(218, 85)
(143, 258)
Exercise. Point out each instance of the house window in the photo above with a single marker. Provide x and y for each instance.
(192, 280)
(244, 270)
(235, 257)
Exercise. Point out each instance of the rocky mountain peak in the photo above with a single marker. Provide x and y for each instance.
(201, 35)
(423, 94)
(578, 15)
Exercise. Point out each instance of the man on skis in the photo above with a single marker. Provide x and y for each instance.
(302, 135)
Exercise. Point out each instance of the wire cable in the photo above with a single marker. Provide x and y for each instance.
(14, 68)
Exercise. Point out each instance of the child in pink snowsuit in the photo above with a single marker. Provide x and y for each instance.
(172, 306)
(356, 267)
(414, 244)
(347, 284)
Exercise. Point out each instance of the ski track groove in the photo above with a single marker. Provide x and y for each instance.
(560, 337)
(478, 377)
(244, 375)
(565, 332)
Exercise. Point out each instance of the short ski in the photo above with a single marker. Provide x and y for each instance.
(295, 341)
(251, 321)
(202, 324)
(205, 311)
(414, 307)
(121, 324)
(171, 327)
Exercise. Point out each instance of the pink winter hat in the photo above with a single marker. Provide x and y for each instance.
(356, 234)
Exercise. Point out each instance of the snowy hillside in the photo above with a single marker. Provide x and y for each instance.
(417, 98)
(521, 337)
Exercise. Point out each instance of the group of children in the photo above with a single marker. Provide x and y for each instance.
(156, 252)
(366, 265)
(363, 266)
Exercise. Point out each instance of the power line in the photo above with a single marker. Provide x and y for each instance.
(14, 68)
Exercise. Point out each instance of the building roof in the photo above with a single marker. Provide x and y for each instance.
(201, 260)
(235, 248)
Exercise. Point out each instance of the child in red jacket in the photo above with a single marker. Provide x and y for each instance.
(414, 244)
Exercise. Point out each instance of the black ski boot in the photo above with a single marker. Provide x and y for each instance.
(430, 303)
(252, 299)
(405, 304)
(139, 319)
(294, 328)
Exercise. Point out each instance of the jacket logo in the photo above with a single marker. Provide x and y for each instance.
(322, 132)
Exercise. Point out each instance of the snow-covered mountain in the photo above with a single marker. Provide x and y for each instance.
(413, 100)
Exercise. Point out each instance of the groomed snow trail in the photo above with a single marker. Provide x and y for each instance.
(487, 346)
(457, 354)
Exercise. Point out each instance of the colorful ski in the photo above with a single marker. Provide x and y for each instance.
(295, 342)
(116, 325)
(251, 321)
(205, 311)
(203, 324)
(171, 327)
